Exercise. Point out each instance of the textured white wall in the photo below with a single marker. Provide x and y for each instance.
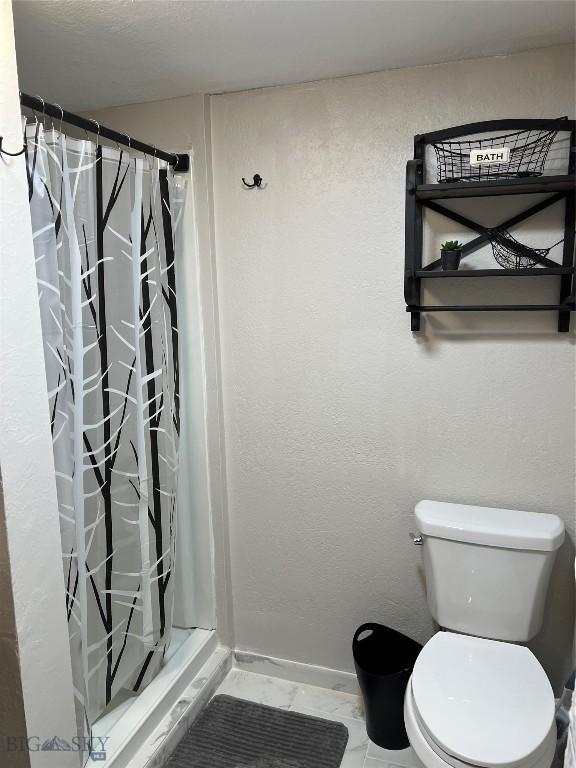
(12, 717)
(337, 419)
(29, 508)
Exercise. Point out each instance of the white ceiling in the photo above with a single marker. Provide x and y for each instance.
(88, 54)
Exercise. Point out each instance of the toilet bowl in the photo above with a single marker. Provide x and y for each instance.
(477, 702)
(476, 697)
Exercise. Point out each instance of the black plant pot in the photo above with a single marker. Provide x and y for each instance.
(450, 259)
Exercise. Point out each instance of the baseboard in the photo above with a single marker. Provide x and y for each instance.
(297, 672)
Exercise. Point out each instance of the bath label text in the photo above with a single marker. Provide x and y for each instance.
(492, 155)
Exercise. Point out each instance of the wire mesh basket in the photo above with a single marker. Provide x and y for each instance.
(509, 253)
(526, 152)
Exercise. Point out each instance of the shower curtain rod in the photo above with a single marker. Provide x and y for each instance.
(178, 162)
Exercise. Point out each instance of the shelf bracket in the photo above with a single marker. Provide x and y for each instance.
(568, 282)
(413, 238)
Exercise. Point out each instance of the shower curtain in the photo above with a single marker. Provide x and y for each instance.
(105, 224)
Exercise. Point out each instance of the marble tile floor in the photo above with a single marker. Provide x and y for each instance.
(320, 702)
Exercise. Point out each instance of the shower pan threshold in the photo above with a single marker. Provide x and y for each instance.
(122, 730)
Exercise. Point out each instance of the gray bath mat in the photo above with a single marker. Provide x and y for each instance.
(233, 733)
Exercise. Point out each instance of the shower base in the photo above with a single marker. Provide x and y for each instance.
(131, 730)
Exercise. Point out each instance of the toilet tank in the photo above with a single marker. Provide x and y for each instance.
(487, 570)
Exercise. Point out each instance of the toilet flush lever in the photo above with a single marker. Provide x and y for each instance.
(417, 540)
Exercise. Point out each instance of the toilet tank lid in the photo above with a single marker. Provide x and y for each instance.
(509, 528)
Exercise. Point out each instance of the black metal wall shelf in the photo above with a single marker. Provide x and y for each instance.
(420, 196)
(535, 272)
(491, 308)
(497, 187)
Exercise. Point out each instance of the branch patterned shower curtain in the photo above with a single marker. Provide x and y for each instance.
(104, 225)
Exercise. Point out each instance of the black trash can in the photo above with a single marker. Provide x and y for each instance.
(384, 660)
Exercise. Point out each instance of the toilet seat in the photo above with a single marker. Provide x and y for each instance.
(481, 702)
(430, 755)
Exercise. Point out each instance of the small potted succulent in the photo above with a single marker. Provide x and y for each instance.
(451, 253)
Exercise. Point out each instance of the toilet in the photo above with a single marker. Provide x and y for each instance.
(476, 697)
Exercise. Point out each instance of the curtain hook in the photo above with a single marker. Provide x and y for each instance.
(32, 110)
(61, 117)
(91, 119)
(43, 111)
(118, 145)
(130, 149)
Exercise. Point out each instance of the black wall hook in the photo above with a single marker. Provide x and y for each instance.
(257, 181)
(15, 154)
